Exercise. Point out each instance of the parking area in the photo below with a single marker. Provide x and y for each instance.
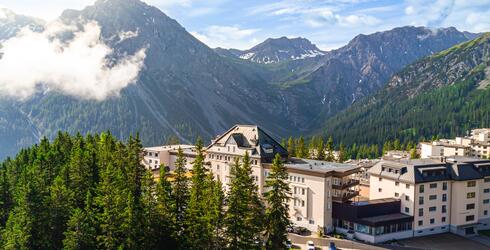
(323, 243)
(445, 241)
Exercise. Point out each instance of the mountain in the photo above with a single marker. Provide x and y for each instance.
(333, 82)
(444, 94)
(187, 89)
(11, 23)
(276, 50)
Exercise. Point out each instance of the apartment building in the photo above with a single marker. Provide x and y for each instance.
(315, 185)
(477, 144)
(451, 195)
(154, 157)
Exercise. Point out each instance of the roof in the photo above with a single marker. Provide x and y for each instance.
(429, 170)
(375, 201)
(169, 147)
(321, 167)
(386, 218)
(250, 137)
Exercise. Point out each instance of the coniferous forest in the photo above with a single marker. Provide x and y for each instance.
(91, 192)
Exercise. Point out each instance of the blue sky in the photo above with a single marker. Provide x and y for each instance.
(327, 23)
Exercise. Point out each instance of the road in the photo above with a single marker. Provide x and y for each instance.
(323, 243)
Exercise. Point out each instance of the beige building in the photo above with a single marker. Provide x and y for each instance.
(442, 196)
(315, 185)
(477, 144)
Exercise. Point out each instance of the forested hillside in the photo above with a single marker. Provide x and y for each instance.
(446, 94)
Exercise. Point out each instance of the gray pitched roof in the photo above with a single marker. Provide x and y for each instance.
(418, 171)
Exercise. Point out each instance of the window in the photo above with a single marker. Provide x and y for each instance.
(302, 179)
(407, 210)
(470, 217)
(432, 221)
(380, 179)
(295, 190)
(303, 191)
(298, 218)
(432, 209)
(303, 203)
(421, 223)
(443, 219)
(444, 186)
(486, 190)
(443, 209)
(485, 212)
(487, 179)
(312, 222)
(433, 197)
(407, 186)
(421, 200)
(444, 197)
(486, 201)
(397, 194)
(470, 206)
(470, 195)
(433, 185)
(421, 188)
(397, 183)
(421, 212)
(380, 190)
(471, 183)
(407, 198)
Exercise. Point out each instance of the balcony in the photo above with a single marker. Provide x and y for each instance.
(346, 184)
(346, 196)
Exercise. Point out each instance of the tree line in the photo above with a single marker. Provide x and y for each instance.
(92, 192)
(316, 148)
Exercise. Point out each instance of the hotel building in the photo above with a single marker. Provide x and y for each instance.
(475, 145)
(315, 185)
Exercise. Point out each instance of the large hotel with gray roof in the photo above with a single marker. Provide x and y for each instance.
(407, 198)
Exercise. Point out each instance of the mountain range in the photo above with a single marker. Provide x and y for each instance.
(186, 89)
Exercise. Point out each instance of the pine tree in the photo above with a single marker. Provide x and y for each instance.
(342, 153)
(81, 231)
(330, 157)
(414, 154)
(301, 150)
(320, 149)
(180, 195)
(198, 229)
(165, 217)
(215, 212)
(60, 201)
(244, 216)
(291, 147)
(277, 213)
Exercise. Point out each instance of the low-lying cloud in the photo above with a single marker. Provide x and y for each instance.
(80, 67)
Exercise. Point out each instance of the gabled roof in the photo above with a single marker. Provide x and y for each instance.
(250, 137)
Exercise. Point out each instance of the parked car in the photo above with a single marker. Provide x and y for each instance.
(332, 246)
(289, 244)
(311, 245)
(299, 230)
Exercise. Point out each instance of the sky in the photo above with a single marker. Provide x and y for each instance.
(329, 24)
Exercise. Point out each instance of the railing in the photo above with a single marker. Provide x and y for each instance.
(344, 185)
(346, 196)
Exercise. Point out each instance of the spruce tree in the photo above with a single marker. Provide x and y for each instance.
(330, 157)
(180, 195)
(244, 216)
(320, 149)
(301, 149)
(277, 213)
(291, 147)
(198, 229)
(81, 227)
(342, 153)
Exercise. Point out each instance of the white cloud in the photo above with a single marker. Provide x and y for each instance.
(80, 67)
(227, 37)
